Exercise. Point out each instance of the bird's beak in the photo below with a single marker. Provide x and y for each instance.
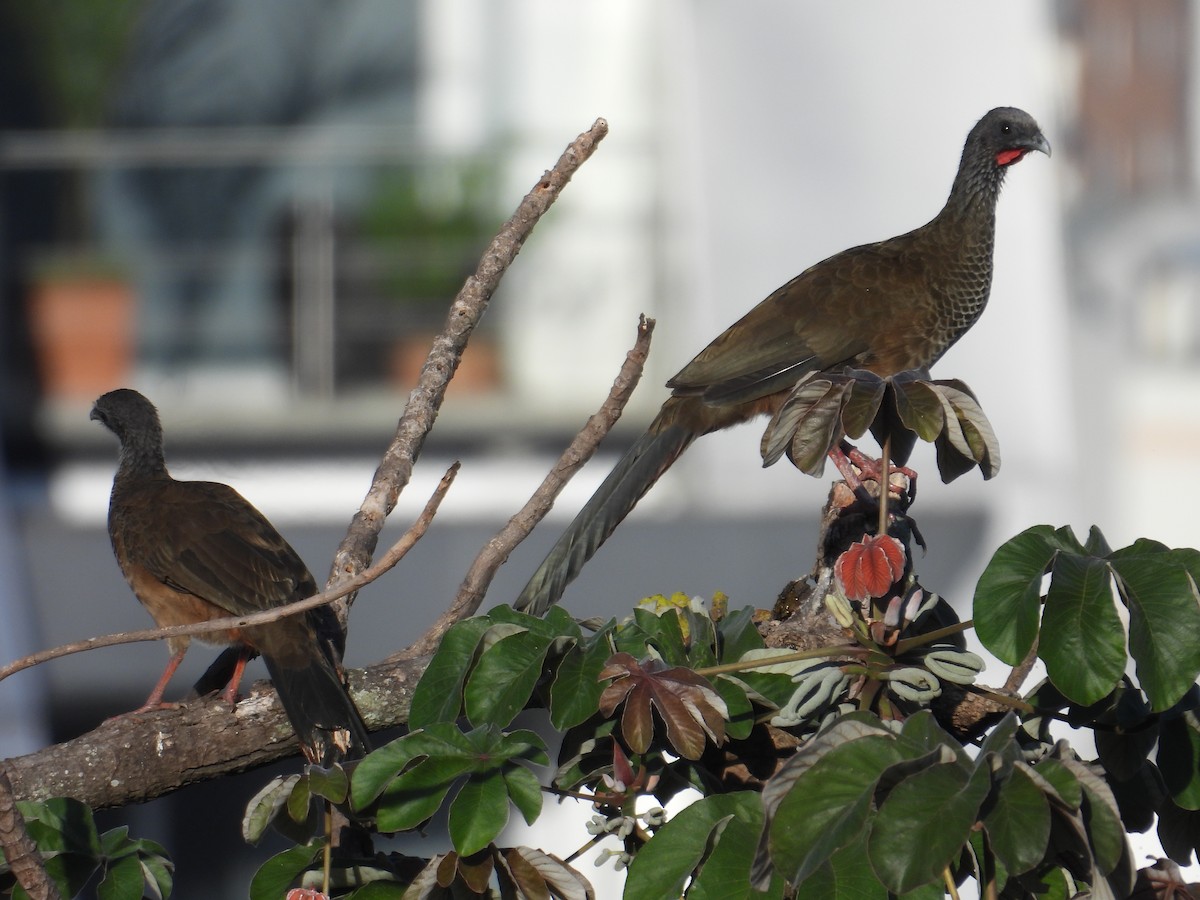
(1038, 142)
(94, 415)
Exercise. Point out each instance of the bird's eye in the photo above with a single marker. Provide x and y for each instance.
(1005, 128)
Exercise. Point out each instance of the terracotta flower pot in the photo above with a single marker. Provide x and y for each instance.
(83, 334)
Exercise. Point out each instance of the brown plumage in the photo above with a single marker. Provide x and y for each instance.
(887, 307)
(194, 551)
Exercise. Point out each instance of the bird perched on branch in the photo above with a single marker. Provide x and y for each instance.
(194, 551)
(887, 308)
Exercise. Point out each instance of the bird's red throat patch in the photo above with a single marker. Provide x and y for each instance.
(1008, 157)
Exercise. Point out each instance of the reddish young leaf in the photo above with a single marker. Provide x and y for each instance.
(870, 567)
(689, 707)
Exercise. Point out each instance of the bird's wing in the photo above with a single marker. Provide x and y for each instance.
(827, 316)
(206, 539)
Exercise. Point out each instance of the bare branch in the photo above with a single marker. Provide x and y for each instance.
(496, 551)
(396, 467)
(134, 758)
(389, 560)
(20, 852)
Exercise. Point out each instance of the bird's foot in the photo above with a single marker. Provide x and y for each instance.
(904, 490)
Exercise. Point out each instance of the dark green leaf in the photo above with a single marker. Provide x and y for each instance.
(122, 881)
(277, 874)
(845, 877)
(115, 843)
(1018, 823)
(664, 634)
(1058, 783)
(438, 695)
(1083, 642)
(66, 824)
(741, 712)
(1008, 596)
(1179, 759)
(525, 791)
(503, 680)
(332, 783)
(1179, 832)
(1101, 817)
(478, 812)
(417, 794)
(829, 803)
(920, 409)
(1164, 622)
(924, 823)
(576, 690)
(714, 836)
(738, 635)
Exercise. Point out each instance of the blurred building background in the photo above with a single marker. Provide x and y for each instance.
(258, 214)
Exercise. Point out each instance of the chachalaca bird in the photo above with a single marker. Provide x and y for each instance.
(887, 307)
(194, 551)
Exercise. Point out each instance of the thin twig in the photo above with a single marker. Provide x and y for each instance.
(389, 560)
(395, 469)
(496, 551)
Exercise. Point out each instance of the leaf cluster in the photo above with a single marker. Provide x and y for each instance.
(78, 857)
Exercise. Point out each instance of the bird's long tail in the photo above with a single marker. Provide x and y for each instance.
(319, 706)
(637, 471)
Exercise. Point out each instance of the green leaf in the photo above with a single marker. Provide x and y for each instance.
(333, 784)
(158, 872)
(1058, 783)
(504, 678)
(575, 692)
(277, 874)
(740, 723)
(438, 695)
(712, 841)
(922, 826)
(845, 877)
(1018, 823)
(1008, 595)
(525, 791)
(1179, 759)
(62, 823)
(1164, 620)
(1083, 642)
(1179, 832)
(478, 812)
(417, 794)
(1101, 817)
(737, 635)
(122, 881)
(664, 634)
(265, 806)
(829, 803)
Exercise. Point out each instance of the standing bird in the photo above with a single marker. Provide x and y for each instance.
(886, 307)
(194, 551)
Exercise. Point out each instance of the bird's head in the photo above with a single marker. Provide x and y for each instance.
(1005, 135)
(125, 412)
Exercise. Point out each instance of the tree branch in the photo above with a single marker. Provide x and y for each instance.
(136, 758)
(395, 469)
(20, 852)
(495, 552)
